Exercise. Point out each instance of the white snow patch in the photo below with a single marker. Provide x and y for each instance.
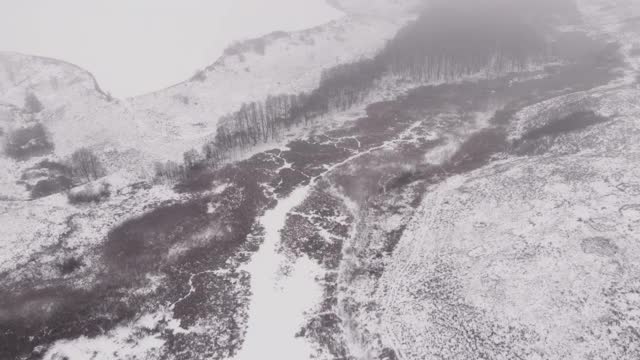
(124, 342)
(279, 301)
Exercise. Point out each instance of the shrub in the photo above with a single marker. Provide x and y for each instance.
(199, 75)
(90, 193)
(54, 167)
(48, 187)
(86, 165)
(25, 143)
(32, 104)
(169, 172)
(70, 265)
(191, 159)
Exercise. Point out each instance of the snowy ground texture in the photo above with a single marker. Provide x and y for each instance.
(534, 257)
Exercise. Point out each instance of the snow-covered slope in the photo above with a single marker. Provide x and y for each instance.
(57, 82)
(279, 63)
(131, 134)
(70, 97)
(533, 257)
(168, 122)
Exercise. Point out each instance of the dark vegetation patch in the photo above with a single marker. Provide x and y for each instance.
(453, 39)
(32, 104)
(310, 156)
(54, 166)
(600, 246)
(142, 245)
(218, 302)
(70, 265)
(51, 177)
(383, 119)
(323, 329)
(303, 234)
(34, 317)
(597, 64)
(502, 117)
(405, 178)
(51, 186)
(257, 46)
(571, 123)
(477, 150)
(196, 181)
(326, 328)
(303, 238)
(392, 239)
(91, 193)
(327, 211)
(47, 178)
(28, 142)
(388, 354)
(199, 76)
(538, 140)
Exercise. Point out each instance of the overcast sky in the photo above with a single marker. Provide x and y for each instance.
(137, 46)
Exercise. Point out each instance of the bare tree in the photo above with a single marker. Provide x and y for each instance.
(191, 159)
(169, 172)
(86, 165)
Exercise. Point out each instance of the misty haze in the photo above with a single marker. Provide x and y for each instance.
(331, 180)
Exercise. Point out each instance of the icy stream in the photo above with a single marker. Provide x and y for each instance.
(279, 301)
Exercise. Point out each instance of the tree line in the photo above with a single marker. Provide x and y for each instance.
(444, 43)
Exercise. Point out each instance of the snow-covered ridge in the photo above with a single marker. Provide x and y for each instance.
(20, 73)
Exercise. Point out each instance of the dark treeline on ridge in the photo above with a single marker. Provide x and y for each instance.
(448, 41)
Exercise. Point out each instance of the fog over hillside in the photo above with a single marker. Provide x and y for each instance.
(379, 180)
(142, 46)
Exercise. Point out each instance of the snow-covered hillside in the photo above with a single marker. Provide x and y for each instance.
(537, 252)
(130, 134)
(280, 63)
(533, 255)
(168, 122)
